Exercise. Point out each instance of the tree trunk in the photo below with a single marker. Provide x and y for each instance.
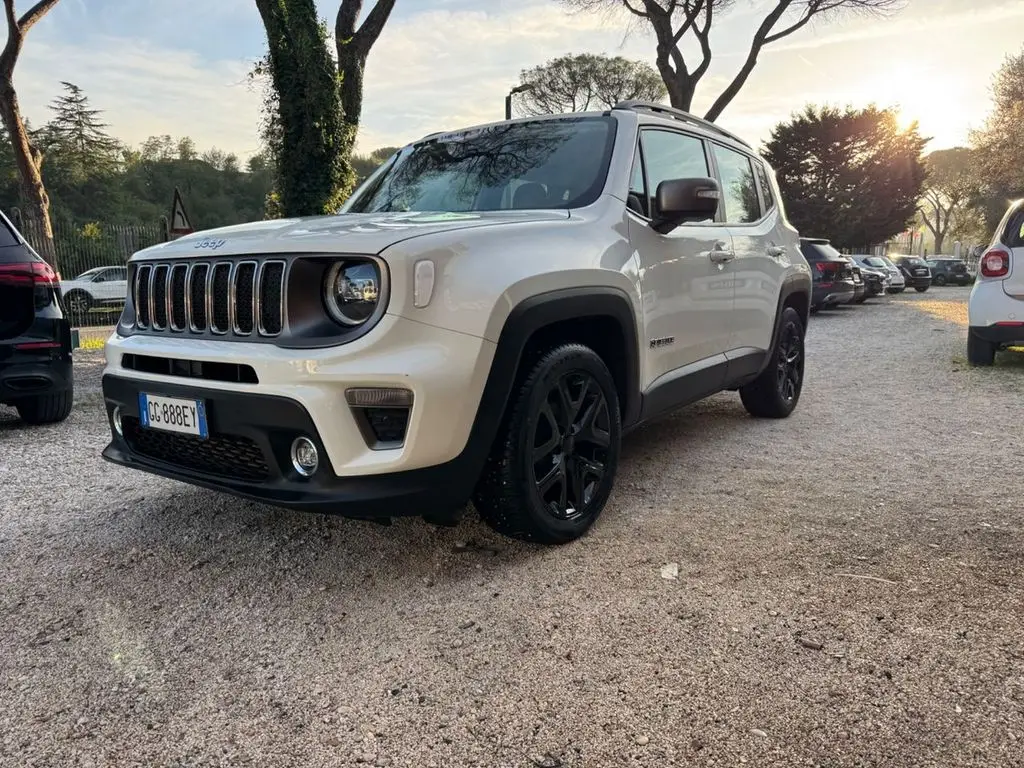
(29, 162)
(351, 68)
(939, 240)
(680, 86)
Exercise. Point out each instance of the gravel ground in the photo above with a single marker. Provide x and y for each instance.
(849, 593)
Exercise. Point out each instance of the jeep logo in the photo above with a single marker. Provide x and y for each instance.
(212, 245)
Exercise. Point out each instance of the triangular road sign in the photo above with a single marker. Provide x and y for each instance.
(180, 222)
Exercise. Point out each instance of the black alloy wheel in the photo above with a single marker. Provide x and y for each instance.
(775, 393)
(552, 467)
(790, 363)
(570, 443)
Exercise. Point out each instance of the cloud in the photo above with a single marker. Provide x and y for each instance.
(444, 64)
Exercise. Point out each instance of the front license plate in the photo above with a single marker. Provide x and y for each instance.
(172, 414)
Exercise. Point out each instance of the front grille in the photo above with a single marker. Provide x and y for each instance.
(224, 298)
(231, 456)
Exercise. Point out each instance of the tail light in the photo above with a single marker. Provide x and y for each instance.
(995, 263)
(28, 275)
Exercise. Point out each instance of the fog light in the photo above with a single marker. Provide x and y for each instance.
(305, 458)
(378, 397)
(117, 421)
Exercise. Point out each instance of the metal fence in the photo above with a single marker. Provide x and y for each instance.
(91, 260)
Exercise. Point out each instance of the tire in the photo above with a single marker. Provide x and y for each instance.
(78, 303)
(775, 393)
(46, 409)
(979, 351)
(569, 385)
(920, 288)
(940, 280)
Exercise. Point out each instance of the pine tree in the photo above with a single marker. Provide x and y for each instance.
(77, 138)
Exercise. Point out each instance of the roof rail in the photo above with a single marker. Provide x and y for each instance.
(680, 115)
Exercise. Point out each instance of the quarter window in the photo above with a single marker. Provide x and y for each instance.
(766, 187)
(738, 190)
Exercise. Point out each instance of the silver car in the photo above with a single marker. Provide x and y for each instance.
(897, 283)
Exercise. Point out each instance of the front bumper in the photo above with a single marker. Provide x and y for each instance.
(446, 372)
(248, 454)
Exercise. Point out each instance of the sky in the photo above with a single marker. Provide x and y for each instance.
(181, 68)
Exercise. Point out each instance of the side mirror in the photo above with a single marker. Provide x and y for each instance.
(680, 200)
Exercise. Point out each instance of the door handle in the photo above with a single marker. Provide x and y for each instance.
(776, 250)
(721, 256)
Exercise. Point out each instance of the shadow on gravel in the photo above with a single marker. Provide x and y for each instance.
(179, 530)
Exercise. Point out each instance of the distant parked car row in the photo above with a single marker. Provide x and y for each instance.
(853, 278)
(839, 279)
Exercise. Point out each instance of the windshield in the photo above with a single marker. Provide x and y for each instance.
(559, 163)
(915, 262)
(875, 261)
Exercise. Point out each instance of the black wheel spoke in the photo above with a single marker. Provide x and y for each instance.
(541, 451)
(577, 471)
(588, 430)
(546, 483)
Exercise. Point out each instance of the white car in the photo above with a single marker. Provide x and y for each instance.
(98, 287)
(897, 283)
(492, 310)
(995, 308)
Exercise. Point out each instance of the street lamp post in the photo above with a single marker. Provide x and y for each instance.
(508, 99)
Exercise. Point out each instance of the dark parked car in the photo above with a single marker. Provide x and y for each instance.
(35, 335)
(860, 289)
(831, 272)
(876, 280)
(915, 271)
(947, 270)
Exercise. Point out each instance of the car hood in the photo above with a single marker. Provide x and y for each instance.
(363, 233)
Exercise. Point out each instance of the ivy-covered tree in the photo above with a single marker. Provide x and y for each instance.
(353, 44)
(850, 175)
(303, 126)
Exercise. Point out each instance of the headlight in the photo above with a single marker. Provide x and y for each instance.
(352, 291)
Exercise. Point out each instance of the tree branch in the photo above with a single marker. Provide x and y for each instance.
(33, 14)
(748, 66)
(361, 39)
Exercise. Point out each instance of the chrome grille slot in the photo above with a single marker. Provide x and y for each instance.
(142, 295)
(270, 298)
(219, 301)
(244, 287)
(179, 313)
(158, 297)
(227, 298)
(197, 297)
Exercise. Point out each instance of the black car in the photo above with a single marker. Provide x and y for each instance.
(860, 288)
(35, 335)
(947, 270)
(831, 274)
(875, 279)
(915, 272)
